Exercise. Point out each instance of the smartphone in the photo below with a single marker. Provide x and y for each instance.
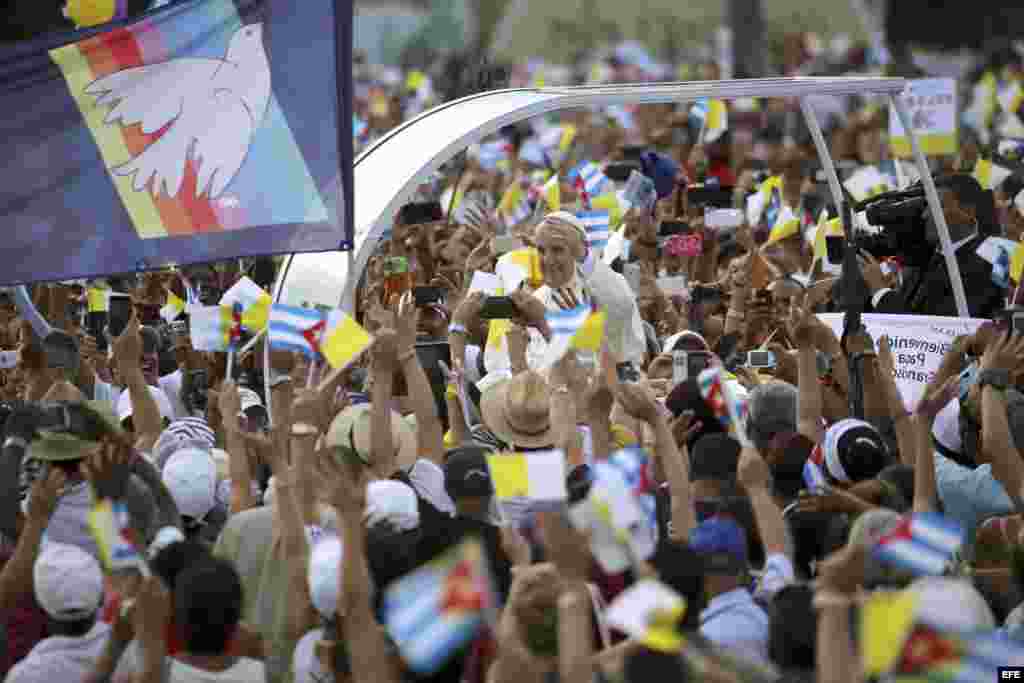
(631, 271)
(420, 212)
(427, 295)
(120, 312)
(679, 368)
(397, 278)
(620, 172)
(633, 152)
(760, 359)
(95, 323)
(723, 218)
(503, 244)
(61, 350)
(1011, 319)
(669, 228)
(8, 360)
(498, 308)
(627, 373)
(715, 197)
(706, 295)
(697, 362)
(834, 245)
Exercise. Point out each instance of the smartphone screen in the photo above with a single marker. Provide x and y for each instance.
(669, 228)
(723, 218)
(120, 313)
(8, 360)
(498, 308)
(760, 359)
(427, 295)
(679, 367)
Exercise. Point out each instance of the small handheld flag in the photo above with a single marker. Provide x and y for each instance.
(110, 528)
(439, 607)
(596, 224)
(923, 544)
(710, 117)
(214, 328)
(719, 397)
(254, 303)
(173, 308)
(650, 612)
(579, 328)
(538, 475)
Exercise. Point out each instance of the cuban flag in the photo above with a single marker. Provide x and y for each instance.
(923, 544)
(332, 335)
(814, 471)
(597, 224)
(439, 607)
(588, 178)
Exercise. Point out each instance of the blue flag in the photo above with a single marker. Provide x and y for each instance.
(200, 131)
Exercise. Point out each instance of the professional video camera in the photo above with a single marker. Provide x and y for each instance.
(901, 217)
(77, 419)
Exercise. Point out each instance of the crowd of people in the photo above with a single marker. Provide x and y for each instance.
(279, 521)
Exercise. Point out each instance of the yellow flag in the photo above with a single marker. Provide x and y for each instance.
(344, 341)
(539, 475)
(415, 80)
(591, 334)
(553, 193)
(173, 308)
(885, 623)
(511, 199)
(568, 135)
(989, 175)
(1017, 263)
(787, 225)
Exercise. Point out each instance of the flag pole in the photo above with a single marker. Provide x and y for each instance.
(266, 382)
(231, 366)
(311, 379)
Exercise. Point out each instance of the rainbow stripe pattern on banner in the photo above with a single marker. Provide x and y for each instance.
(141, 123)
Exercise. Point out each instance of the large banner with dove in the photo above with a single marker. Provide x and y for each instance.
(204, 130)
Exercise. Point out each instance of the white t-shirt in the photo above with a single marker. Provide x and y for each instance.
(59, 658)
(305, 664)
(171, 384)
(245, 670)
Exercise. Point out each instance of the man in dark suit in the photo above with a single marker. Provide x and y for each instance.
(928, 290)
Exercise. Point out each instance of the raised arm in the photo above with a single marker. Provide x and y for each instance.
(429, 430)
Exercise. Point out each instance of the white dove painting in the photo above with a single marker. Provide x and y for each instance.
(209, 111)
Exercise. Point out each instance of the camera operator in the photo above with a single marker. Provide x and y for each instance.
(926, 289)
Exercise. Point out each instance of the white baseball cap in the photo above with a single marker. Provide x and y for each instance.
(68, 582)
(191, 477)
(393, 502)
(249, 398)
(324, 575)
(163, 404)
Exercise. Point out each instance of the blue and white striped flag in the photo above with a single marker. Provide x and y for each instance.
(297, 329)
(597, 224)
(924, 543)
(591, 178)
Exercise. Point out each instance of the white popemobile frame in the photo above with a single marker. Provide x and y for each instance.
(387, 174)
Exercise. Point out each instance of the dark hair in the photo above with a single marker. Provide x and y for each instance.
(788, 466)
(645, 665)
(680, 568)
(898, 481)
(686, 396)
(208, 606)
(175, 558)
(389, 554)
(71, 629)
(714, 457)
(792, 635)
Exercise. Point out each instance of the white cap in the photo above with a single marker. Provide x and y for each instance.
(249, 398)
(393, 502)
(324, 575)
(191, 477)
(68, 582)
(163, 404)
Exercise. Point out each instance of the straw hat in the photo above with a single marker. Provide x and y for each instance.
(351, 428)
(518, 410)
